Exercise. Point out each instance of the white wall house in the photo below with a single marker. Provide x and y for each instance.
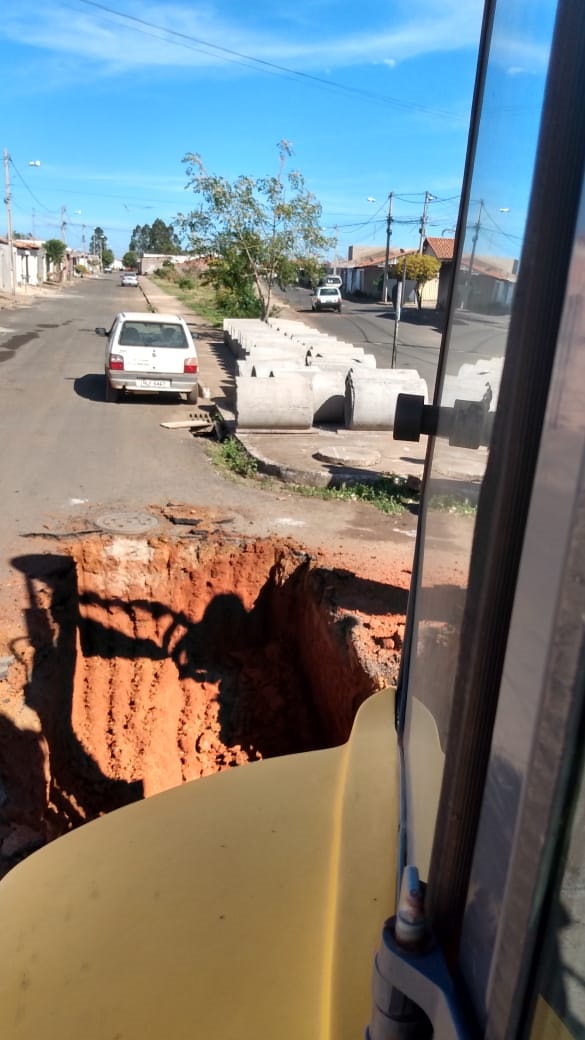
(28, 266)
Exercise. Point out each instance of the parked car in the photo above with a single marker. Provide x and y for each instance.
(129, 278)
(150, 353)
(326, 297)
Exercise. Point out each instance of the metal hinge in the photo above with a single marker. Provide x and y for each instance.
(468, 424)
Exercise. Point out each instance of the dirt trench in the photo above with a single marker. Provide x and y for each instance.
(149, 662)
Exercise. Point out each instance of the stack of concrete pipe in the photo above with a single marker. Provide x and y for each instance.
(291, 377)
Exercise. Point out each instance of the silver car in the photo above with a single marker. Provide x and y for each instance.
(150, 354)
(129, 278)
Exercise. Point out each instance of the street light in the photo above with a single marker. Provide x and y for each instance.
(388, 237)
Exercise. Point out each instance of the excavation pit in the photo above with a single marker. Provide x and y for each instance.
(149, 662)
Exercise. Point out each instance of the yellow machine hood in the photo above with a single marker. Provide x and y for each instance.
(247, 904)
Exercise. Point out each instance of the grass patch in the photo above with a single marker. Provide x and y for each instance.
(197, 297)
(388, 494)
(232, 455)
(458, 504)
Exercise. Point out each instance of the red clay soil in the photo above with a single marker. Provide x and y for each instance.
(148, 662)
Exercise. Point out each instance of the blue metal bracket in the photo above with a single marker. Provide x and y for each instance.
(405, 981)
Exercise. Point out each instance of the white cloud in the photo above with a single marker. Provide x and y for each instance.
(93, 35)
(521, 55)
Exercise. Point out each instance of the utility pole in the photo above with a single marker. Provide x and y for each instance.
(9, 236)
(475, 238)
(398, 312)
(63, 223)
(387, 257)
(472, 254)
(423, 220)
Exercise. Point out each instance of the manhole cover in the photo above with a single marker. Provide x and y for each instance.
(126, 522)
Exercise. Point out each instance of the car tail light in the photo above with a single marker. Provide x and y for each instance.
(190, 365)
(116, 363)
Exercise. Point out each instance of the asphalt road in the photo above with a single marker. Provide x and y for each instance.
(68, 447)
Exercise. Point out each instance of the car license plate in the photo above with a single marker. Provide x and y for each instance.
(154, 384)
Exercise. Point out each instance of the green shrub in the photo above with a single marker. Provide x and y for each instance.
(233, 456)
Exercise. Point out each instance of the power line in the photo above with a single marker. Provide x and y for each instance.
(30, 191)
(229, 55)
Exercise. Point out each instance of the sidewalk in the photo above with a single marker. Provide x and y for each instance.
(324, 455)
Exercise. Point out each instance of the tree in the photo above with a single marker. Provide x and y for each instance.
(107, 257)
(312, 271)
(139, 240)
(55, 251)
(163, 238)
(98, 242)
(130, 259)
(417, 268)
(156, 238)
(251, 229)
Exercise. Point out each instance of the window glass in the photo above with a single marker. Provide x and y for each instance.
(476, 344)
(151, 333)
(561, 970)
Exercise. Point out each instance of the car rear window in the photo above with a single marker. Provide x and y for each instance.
(329, 292)
(151, 334)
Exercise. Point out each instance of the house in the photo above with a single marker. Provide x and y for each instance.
(149, 262)
(488, 283)
(363, 271)
(443, 250)
(22, 265)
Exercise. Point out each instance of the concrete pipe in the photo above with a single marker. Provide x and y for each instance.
(370, 404)
(281, 403)
(329, 395)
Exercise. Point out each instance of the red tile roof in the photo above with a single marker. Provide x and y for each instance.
(443, 248)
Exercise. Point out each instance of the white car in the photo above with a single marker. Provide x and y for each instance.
(326, 297)
(150, 353)
(129, 278)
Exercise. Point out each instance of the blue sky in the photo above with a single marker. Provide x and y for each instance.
(110, 97)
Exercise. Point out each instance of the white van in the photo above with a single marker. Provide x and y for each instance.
(150, 353)
(332, 279)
